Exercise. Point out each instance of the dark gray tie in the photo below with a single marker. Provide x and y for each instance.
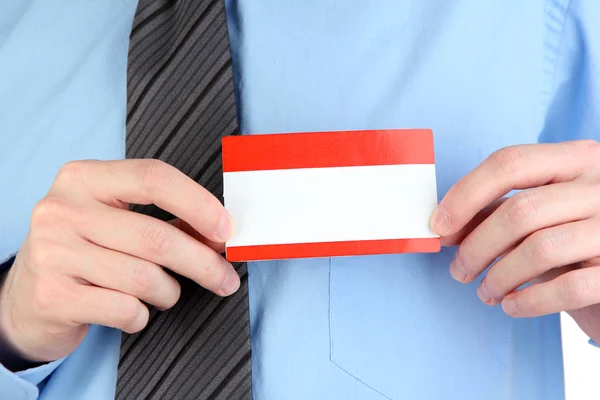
(180, 103)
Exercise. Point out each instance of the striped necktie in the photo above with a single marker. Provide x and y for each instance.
(180, 103)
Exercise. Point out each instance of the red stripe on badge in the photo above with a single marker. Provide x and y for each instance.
(327, 149)
(332, 249)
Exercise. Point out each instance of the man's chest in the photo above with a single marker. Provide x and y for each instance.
(477, 73)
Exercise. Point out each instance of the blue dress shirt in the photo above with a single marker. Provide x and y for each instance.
(482, 75)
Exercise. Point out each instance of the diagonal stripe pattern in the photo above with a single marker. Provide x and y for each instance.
(180, 103)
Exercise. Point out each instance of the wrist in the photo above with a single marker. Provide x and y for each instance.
(10, 357)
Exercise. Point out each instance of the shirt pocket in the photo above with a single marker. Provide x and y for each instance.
(402, 326)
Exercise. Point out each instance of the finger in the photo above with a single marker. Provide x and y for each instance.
(540, 252)
(555, 273)
(149, 181)
(107, 307)
(127, 274)
(518, 217)
(187, 228)
(459, 236)
(161, 243)
(571, 291)
(517, 167)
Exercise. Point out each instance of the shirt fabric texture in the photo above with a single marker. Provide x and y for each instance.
(481, 75)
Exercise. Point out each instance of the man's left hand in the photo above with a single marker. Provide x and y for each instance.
(547, 235)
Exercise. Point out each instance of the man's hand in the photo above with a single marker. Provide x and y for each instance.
(548, 235)
(88, 260)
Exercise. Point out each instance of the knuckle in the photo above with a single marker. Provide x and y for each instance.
(520, 207)
(543, 247)
(145, 279)
(591, 145)
(535, 307)
(507, 160)
(211, 272)
(71, 172)
(211, 263)
(467, 253)
(48, 210)
(591, 155)
(43, 256)
(202, 203)
(155, 240)
(576, 290)
(153, 174)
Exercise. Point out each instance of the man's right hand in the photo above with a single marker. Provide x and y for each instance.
(87, 259)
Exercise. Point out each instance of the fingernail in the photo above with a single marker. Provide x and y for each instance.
(225, 227)
(482, 292)
(509, 306)
(231, 283)
(457, 270)
(440, 221)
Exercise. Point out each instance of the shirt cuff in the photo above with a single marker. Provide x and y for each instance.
(6, 264)
(594, 343)
(23, 385)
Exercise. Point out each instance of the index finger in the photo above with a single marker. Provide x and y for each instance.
(516, 167)
(150, 181)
